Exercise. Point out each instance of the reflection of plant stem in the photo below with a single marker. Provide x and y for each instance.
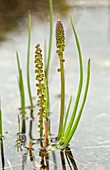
(28, 62)
(0, 122)
(70, 158)
(24, 160)
(2, 154)
(31, 125)
(54, 160)
(62, 160)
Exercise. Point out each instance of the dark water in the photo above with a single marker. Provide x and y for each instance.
(91, 144)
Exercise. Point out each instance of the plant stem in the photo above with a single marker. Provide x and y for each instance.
(62, 104)
(50, 38)
(28, 62)
(66, 117)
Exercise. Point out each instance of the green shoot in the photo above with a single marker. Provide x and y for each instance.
(28, 62)
(80, 83)
(50, 38)
(67, 140)
(0, 121)
(21, 87)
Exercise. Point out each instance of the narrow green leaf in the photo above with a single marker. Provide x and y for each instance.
(28, 62)
(72, 131)
(21, 86)
(45, 53)
(80, 82)
(50, 38)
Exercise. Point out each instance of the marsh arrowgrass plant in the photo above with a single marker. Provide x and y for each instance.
(75, 118)
(0, 121)
(67, 130)
(67, 124)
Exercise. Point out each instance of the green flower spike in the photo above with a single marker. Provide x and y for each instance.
(60, 43)
(40, 87)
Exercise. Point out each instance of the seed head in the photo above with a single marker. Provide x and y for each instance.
(40, 83)
(60, 37)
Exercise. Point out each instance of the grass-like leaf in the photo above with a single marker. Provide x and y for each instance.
(21, 87)
(50, 38)
(45, 53)
(28, 62)
(80, 82)
(66, 141)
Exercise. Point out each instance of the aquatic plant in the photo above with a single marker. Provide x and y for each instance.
(0, 121)
(75, 118)
(67, 124)
(66, 131)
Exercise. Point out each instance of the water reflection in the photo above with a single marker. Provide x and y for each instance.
(44, 158)
(2, 154)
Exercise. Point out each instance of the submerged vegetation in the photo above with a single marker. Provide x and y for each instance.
(68, 122)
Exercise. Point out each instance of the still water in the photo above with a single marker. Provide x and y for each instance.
(91, 143)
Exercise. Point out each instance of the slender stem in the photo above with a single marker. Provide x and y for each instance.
(62, 104)
(48, 59)
(28, 62)
(50, 38)
(66, 117)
